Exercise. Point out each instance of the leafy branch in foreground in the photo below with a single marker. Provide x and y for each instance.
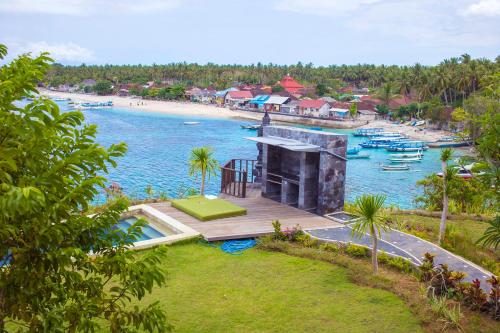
(61, 270)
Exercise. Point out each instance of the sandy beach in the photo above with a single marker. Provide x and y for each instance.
(212, 111)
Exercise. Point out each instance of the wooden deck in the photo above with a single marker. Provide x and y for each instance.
(261, 212)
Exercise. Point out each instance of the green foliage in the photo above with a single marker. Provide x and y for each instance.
(468, 196)
(321, 89)
(353, 110)
(357, 251)
(491, 237)
(398, 263)
(368, 207)
(449, 315)
(277, 88)
(278, 234)
(50, 169)
(202, 161)
(103, 87)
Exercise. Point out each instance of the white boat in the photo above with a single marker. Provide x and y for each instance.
(407, 155)
(191, 122)
(402, 167)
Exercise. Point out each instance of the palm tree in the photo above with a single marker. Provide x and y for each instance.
(368, 208)
(386, 93)
(202, 161)
(445, 157)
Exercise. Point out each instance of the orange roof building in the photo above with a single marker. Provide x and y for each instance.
(290, 85)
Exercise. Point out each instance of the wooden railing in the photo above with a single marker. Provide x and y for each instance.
(235, 175)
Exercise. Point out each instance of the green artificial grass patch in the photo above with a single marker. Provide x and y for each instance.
(205, 210)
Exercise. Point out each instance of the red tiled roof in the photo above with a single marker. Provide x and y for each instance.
(289, 84)
(340, 105)
(240, 94)
(312, 103)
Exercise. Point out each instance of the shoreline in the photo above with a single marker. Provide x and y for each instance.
(212, 111)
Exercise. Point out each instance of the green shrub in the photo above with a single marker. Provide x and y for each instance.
(307, 240)
(357, 251)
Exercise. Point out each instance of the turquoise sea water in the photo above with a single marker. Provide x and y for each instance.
(159, 147)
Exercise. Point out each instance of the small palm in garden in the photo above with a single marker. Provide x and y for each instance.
(202, 161)
(368, 207)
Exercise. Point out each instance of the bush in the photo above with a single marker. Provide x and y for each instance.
(357, 251)
(448, 283)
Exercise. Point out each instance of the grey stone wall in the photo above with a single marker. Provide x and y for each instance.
(322, 175)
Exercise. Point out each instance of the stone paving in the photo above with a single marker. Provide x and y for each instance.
(407, 246)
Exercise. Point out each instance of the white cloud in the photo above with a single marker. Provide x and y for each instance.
(323, 7)
(484, 8)
(423, 22)
(87, 7)
(60, 52)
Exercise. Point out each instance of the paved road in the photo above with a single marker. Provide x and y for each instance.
(407, 246)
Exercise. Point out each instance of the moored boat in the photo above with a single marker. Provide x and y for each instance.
(367, 131)
(408, 146)
(408, 155)
(402, 167)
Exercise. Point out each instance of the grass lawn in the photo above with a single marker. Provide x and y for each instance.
(204, 209)
(210, 291)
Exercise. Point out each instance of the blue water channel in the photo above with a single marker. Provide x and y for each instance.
(159, 147)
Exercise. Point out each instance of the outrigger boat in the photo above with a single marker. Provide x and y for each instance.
(382, 142)
(407, 146)
(403, 167)
(386, 135)
(94, 105)
(420, 154)
(250, 127)
(367, 131)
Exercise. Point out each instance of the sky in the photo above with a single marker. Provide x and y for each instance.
(323, 32)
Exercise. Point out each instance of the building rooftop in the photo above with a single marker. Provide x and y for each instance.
(312, 103)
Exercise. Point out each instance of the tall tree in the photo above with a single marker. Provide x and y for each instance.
(446, 155)
(368, 207)
(386, 93)
(61, 269)
(202, 161)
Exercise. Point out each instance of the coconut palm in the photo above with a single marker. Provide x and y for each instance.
(386, 93)
(445, 157)
(202, 161)
(368, 207)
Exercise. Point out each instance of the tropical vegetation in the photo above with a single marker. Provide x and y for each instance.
(60, 269)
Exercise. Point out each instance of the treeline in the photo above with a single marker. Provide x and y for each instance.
(450, 82)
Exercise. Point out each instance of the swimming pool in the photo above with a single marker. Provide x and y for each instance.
(148, 231)
(160, 228)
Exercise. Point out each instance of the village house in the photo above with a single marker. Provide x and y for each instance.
(258, 102)
(237, 98)
(89, 82)
(340, 110)
(314, 107)
(292, 107)
(274, 103)
(220, 96)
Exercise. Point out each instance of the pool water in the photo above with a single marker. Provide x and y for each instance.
(148, 232)
(159, 147)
